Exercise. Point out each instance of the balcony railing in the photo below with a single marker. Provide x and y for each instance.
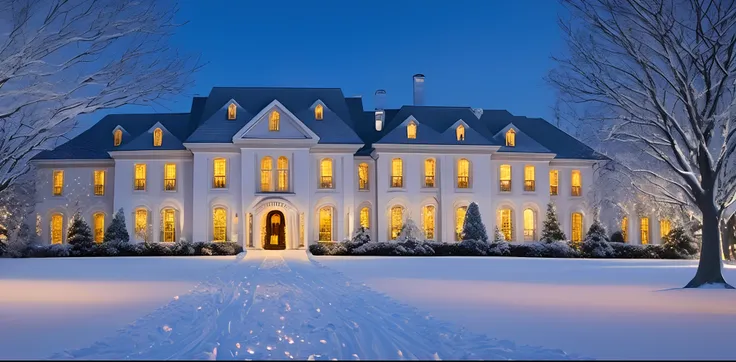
(428, 181)
(219, 182)
(99, 190)
(139, 184)
(505, 185)
(170, 184)
(463, 182)
(325, 182)
(553, 190)
(575, 191)
(397, 181)
(529, 185)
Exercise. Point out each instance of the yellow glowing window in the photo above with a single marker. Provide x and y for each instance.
(577, 226)
(219, 224)
(266, 168)
(507, 224)
(505, 177)
(141, 224)
(58, 182)
(232, 110)
(463, 173)
(158, 136)
(365, 217)
(429, 212)
(459, 221)
(397, 221)
(554, 182)
(325, 224)
(325, 174)
(273, 121)
(283, 170)
(219, 178)
(529, 184)
(576, 183)
(429, 172)
(57, 223)
(140, 177)
(530, 225)
(511, 138)
(99, 225)
(644, 227)
(167, 225)
(170, 177)
(625, 229)
(99, 182)
(397, 173)
(319, 112)
(363, 176)
(411, 130)
(664, 227)
(117, 137)
(460, 132)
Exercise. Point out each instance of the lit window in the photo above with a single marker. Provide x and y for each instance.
(58, 182)
(664, 227)
(219, 178)
(363, 176)
(282, 165)
(99, 225)
(140, 177)
(397, 221)
(99, 182)
(219, 224)
(459, 221)
(266, 168)
(644, 227)
(460, 132)
(463, 173)
(232, 110)
(141, 224)
(507, 223)
(167, 225)
(325, 174)
(365, 217)
(505, 177)
(273, 121)
(318, 112)
(529, 178)
(325, 224)
(411, 130)
(170, 177)
(397, 173)
(576, 188)
(429, 172)
(553, 182)
(429, 222)
(530, 225)
(577, 226)
(117, 137)
(511, 138)
(158, 136)
(625, 229)
(57, 224)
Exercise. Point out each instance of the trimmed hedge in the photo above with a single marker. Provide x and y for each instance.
(118, 248)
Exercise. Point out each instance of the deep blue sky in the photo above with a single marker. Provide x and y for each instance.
(482, 53)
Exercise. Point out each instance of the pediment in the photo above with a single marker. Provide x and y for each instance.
(289, 126)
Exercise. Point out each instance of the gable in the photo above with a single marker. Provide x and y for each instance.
(288, 125)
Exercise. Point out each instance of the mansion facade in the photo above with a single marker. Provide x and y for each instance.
(282, 168)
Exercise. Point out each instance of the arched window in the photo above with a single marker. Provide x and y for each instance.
(98, 220)
(219, 180)
(283, 169)
(511, 138)
(411, 130)
(397, 173)
(219, 224)
(530, 225)
(57, 228)
(529, 177)
(273, 121)
(506, 221)
(141, 225)
(168, 231)
(463, 173)
(231, 111)
(266, 168)
(397, 221)
(158, 136)
(459, 221)
(460, 132)
(365, 218)
(644, 228)
(325, 224)
(318, 112)
(325, 174)
(428, 216)
(625, 229)
(576, 183)
(577, 226)
(363, 176)
(505, 177)
(429, 172)
(117, 137)
(554, 182)
(664, 227)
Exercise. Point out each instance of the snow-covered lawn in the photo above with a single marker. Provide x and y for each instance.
(607, 309)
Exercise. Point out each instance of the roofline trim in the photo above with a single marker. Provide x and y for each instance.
(48, 162)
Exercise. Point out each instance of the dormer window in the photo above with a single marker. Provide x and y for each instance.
(117, 137)
(511, 138)
(158, 136)
(411, 131)
(460, 132)
(319, 112)
(231, 111)
(273, 121)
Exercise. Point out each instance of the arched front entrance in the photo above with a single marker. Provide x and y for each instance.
(275, 231)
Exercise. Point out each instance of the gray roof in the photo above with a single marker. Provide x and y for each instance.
(145, 141)
(523, 143)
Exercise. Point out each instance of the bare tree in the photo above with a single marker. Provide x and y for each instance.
(660, 76)
(60, 59)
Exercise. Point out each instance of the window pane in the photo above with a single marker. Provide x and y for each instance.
(577, 227)
(219, 224)
(58, 182)
(553, 182)
(168, 225)
(429, 172)
(363, 176)
(325, 172)
(530, 225)
(529, 178)
(141, 224)
(99, 183)
(57, 223)
(463, 173)
(459, 221)
(365, 218)
(325, 224)
(99, 225)
(505, 177)
(397, 213)
(140, 177)
(429, 222)
(219, 180)
(397, 173)
(283, 170)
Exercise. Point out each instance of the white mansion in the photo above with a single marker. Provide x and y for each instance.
(279, 168)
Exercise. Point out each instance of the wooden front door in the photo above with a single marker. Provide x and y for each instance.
(275, 231)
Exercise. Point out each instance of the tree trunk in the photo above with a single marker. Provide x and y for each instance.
(710, 265)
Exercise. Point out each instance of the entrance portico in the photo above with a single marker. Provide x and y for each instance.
(275, 225)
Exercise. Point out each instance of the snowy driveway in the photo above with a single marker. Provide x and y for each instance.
(281, 305)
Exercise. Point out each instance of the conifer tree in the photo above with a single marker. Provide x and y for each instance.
(117, 231)
(79, 234)
(551, 231)
(473, 228)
